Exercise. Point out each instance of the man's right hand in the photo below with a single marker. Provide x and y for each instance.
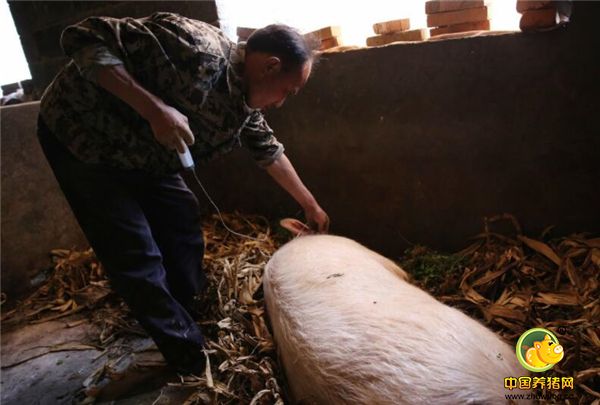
(171, 128)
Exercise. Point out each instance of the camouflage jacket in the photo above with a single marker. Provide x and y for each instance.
(189, 64)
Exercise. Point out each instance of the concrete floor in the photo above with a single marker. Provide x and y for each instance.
(32, 374)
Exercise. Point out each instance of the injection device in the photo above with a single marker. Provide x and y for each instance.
(186, 158)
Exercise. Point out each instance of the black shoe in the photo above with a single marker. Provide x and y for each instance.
(197, 369)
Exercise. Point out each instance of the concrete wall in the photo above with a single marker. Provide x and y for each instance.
(40, 23)
(414, 142)
(421, 141)
(36, 218)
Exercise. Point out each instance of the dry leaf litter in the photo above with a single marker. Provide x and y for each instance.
(507, 280)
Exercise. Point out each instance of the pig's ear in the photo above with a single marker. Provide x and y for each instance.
(296, 227)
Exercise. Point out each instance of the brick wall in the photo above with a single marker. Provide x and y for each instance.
(40, 23)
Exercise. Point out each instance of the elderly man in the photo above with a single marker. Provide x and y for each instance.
(110, 123)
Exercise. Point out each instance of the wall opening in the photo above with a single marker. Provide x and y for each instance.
(355, 20)
(14, 67)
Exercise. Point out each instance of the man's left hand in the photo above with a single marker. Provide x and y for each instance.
(317, 219)
(285, 175)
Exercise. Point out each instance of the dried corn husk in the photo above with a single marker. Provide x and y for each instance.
(510, 282)
(513, 283)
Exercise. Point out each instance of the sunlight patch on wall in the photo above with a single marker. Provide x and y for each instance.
(355, 19)
(14, 66)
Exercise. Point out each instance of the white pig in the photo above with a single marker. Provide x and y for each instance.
(350, 329)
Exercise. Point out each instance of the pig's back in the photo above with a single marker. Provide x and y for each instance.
(349, 327)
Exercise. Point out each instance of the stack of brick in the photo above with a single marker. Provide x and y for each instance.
(451, 16)
(395, 31)
(536, 15)
(243, 33)
(328, 37)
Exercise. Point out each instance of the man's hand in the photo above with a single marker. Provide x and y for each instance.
(317, 219)
(171, 128)
(285, 175)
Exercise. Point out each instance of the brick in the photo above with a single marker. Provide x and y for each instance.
(10, 88)
(388, 27)
(326, 32)
(330, 43)
(244, 32)
(457, 17)
(442, 6)
(524, 5)
(412, 35)
(470, 26)
(534, 19)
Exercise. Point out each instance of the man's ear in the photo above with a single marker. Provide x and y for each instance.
(272, 65)
(296, 227)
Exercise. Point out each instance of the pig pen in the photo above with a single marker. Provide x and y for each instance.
(70, 337)
(405, 146)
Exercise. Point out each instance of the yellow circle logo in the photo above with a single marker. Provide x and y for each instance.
(538, 350)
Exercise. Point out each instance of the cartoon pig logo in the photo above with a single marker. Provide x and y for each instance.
(544, 353)
(538, 350)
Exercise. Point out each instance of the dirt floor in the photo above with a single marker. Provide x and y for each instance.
(49, 362)
(32, 373)
(73, 340)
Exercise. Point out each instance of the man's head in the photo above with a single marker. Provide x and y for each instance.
(278, 63)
